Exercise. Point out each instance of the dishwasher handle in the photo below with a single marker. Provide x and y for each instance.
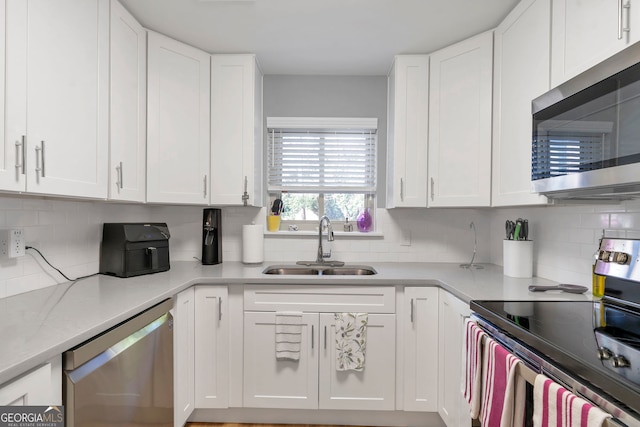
(88, 350)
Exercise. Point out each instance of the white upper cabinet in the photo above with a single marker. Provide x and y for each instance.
(11, 131)
(408, 116)
(128, 126)
(460, 88)
(236, 130)
(587, 32)
(57, 80)
(177, 122)
(518, 80)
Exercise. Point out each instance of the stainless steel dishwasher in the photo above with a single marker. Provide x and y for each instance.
(123, 376)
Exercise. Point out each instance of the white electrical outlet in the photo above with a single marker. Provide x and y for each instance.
(4, 243)
(16, 243)
(12, 243)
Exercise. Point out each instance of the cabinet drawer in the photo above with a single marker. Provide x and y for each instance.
(320, 299)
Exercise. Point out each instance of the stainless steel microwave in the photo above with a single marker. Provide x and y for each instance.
(586, 133)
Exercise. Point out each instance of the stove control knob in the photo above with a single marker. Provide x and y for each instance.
(620, 362)
(621, 258)
(604, 353)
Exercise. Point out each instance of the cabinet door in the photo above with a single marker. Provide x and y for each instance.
(420, 328)
(408, 131)
(211, 347)
(587, 32)
(236, 130)
(460, 123)
(518, 80)
(13, 92)
(67, 97)
(177, 122)
(271, 383)
(452, 406)
(33, 388)
(183, 356)
(374, 387)
(128, 126)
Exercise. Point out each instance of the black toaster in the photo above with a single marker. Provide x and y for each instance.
(133, 249)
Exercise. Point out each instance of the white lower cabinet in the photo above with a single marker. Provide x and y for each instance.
(312, 382)
(183, 356)
(419, 325)
(452, 406)
(371, 389)
(271, 383)
(211, 347)
(41, 386)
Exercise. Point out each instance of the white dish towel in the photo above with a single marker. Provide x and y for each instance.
(472, 380)
(351, 341)
(288, 335)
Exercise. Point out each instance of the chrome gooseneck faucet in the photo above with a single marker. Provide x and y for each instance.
(321, 255)
(475, 246)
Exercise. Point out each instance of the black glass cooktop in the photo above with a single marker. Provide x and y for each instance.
(567, 333)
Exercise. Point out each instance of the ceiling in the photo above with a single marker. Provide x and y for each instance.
(321, 37)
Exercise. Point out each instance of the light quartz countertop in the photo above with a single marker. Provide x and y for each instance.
(38, 325)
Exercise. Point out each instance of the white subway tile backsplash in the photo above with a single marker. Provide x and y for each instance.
(68, 232)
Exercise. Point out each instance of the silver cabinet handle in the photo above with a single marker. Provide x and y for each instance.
(325, 337)
(411, 312)
(245, 195)
(43, 158)
(20, 151)
(119, 178)
(312, 336)
(205, 186)
(432, 189)
(40, 159)
(401, 189)
(219, 309)
(621, 27)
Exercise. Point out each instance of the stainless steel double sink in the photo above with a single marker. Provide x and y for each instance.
(320, 270)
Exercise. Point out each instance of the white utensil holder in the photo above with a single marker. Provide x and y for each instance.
(518, 258)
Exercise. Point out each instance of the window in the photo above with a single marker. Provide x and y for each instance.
(322, 166)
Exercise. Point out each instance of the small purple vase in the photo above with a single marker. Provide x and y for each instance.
(364, 220)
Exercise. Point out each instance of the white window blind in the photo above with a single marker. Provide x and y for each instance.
(322, 155)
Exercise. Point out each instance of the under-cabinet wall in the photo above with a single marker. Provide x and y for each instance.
(69, 232)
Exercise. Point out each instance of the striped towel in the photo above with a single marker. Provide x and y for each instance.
(471, 387)
(351, 341)
(288, 335)
(554, 406)
(503, 392)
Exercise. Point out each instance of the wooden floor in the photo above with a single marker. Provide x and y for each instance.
(253, 425)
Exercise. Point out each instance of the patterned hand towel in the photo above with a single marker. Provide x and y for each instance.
(288, 335)
(554, 406)
(472, 381)
(503, 392)
(351, 341)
